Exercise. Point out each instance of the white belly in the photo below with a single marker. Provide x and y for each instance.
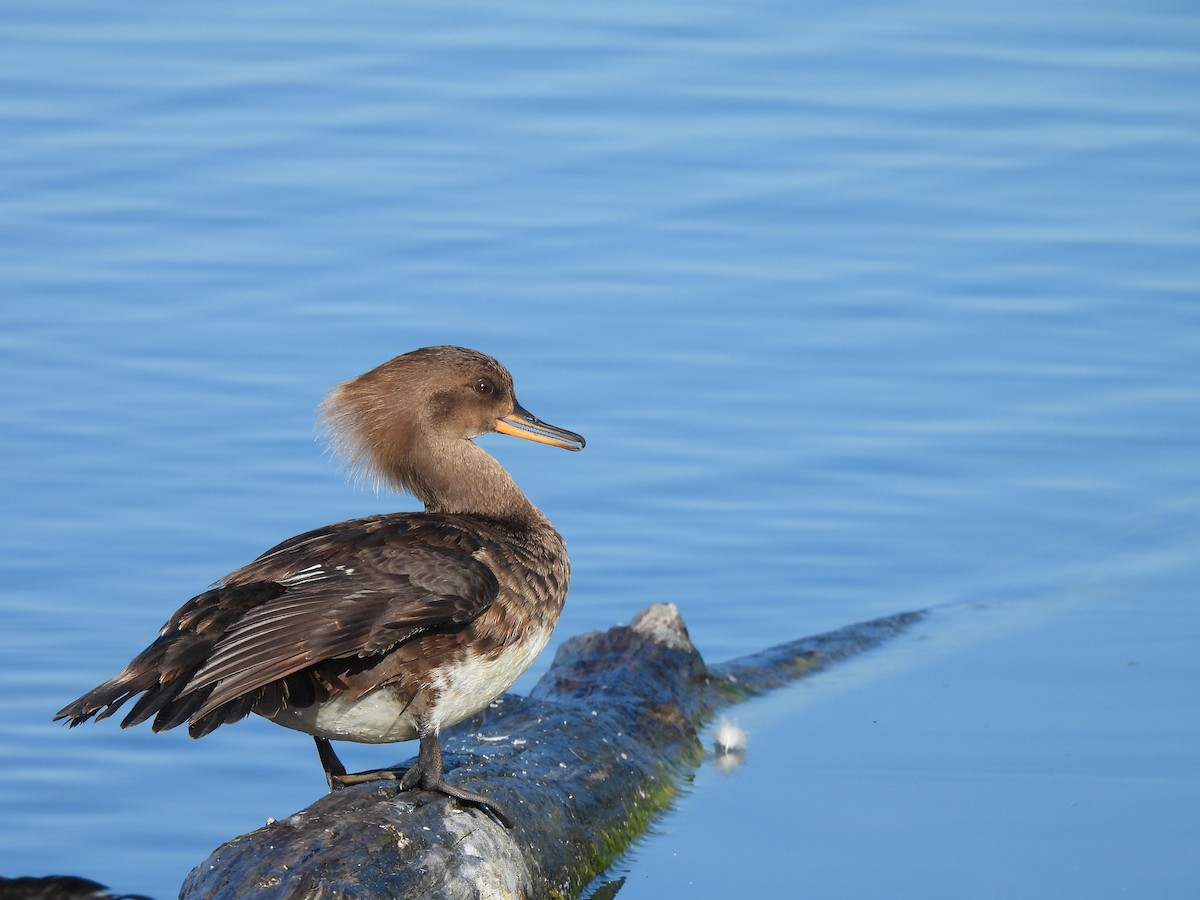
(455, 693)
(377, 717)
(463, 690)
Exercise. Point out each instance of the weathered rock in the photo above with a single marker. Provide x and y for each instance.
(581, 765)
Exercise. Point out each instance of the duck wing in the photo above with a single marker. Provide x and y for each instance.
(333, 612)
(354, 589)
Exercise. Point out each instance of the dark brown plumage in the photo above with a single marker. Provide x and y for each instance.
(385, 628)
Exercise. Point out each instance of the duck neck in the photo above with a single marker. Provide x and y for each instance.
(457, 476)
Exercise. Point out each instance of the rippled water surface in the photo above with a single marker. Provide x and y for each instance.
(861, 310)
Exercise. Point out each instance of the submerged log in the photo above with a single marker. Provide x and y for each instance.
(581, 764)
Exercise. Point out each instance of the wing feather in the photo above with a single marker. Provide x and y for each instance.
(350, 590)
(350, 612)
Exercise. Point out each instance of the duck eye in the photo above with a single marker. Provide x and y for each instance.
(484, 388)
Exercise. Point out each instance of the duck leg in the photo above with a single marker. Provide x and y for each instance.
(335, 772)
(427, 776)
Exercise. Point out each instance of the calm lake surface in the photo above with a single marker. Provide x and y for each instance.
(861, 310)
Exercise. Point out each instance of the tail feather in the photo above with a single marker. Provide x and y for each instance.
(170, 704)
(102, 701)
(162, 673)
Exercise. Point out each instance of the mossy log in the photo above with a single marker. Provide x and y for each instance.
(581, 764)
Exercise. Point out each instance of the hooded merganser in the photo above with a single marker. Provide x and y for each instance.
(386, 628)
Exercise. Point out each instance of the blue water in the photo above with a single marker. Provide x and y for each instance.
(861, 310)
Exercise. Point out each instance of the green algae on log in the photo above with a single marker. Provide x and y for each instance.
(581, 765)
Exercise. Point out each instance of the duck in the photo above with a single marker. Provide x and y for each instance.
(386, 628)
